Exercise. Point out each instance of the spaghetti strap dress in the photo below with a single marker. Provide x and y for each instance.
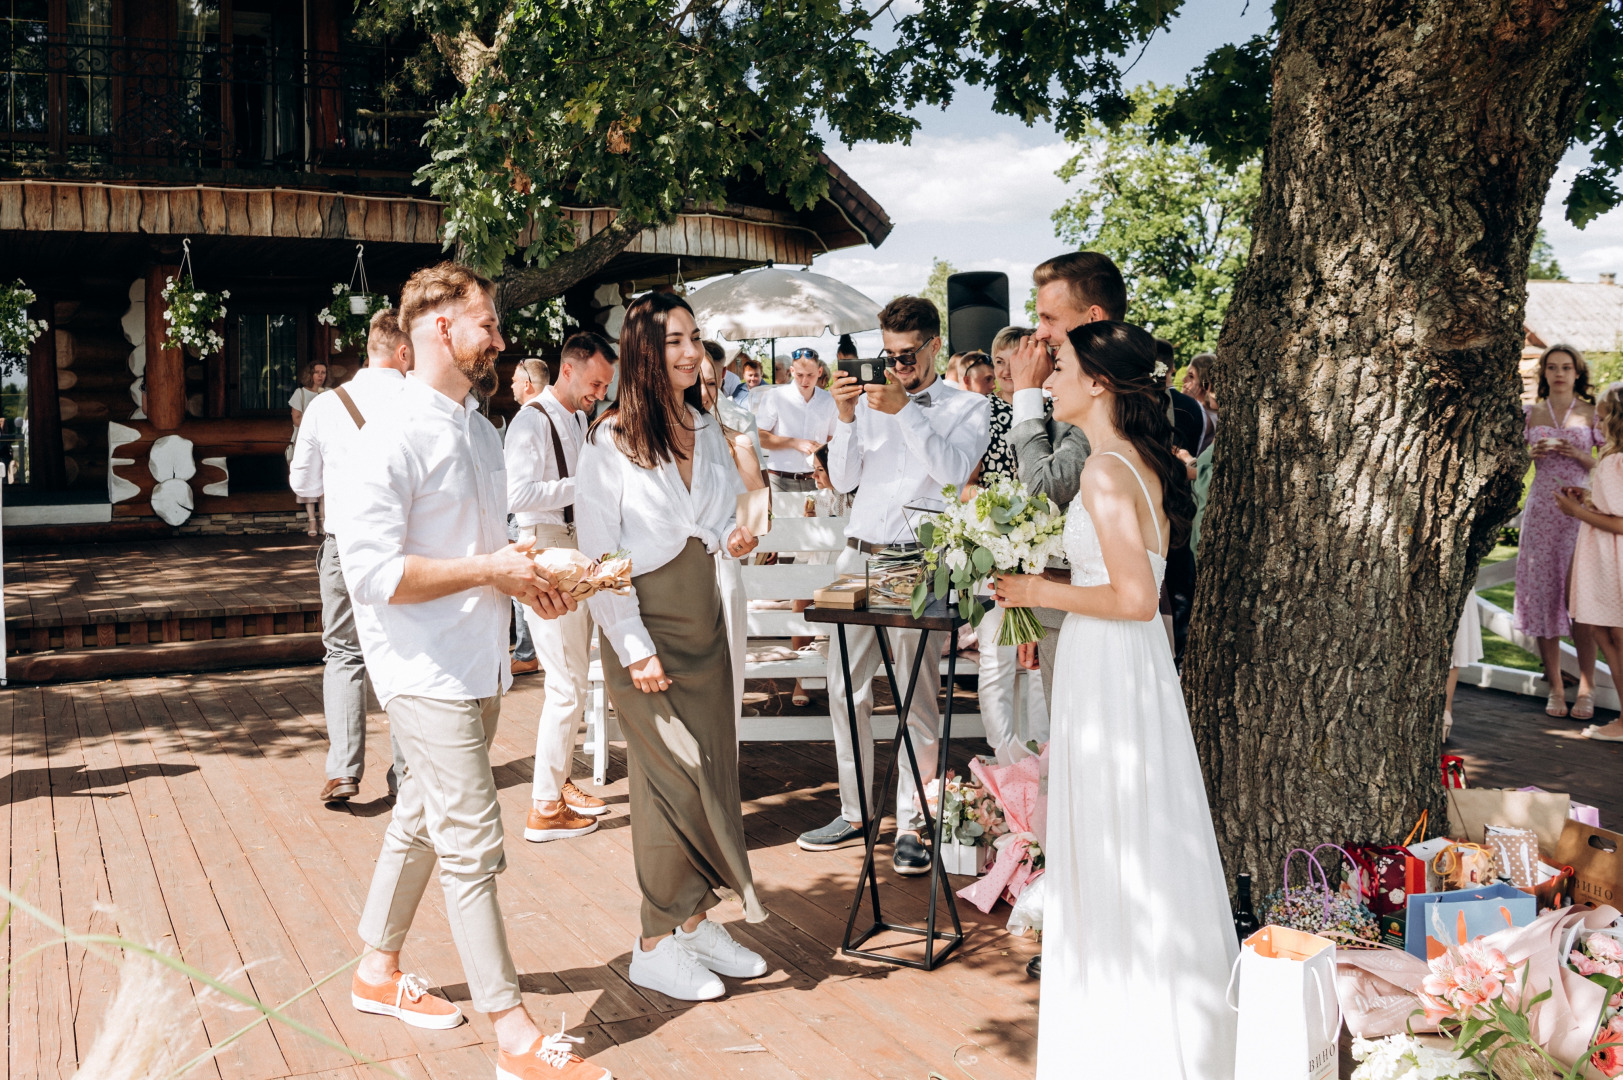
(1549, 536)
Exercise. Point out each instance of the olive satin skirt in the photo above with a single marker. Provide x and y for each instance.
(687, 825)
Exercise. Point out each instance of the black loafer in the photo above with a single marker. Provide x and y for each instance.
(1034, 967)
(911, 856)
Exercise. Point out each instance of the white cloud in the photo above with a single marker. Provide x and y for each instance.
(996, 179)
(1590, 251)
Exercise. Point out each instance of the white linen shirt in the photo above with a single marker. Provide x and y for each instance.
(428, 481)
(329, 440)
(651, 514)
(535, 493)
(784, 412)
(891, 461)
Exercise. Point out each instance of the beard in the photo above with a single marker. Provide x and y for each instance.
(478, 366)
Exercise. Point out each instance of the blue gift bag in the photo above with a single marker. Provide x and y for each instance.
(1433, 922)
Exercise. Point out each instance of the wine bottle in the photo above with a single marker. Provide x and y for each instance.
(1245, 916)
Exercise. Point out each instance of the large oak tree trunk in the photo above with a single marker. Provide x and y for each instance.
(1371, 439)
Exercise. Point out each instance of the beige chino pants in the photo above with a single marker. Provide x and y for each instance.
(564, 647)
(446, 811)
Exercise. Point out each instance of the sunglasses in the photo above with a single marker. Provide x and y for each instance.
(911, 356)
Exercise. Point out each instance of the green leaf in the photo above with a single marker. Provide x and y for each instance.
(983, 561)
(1000, 515)
(920, 598)
(942, 577)
(927, 535)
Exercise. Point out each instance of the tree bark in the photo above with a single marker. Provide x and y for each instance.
(1371, 438)
(519, 288)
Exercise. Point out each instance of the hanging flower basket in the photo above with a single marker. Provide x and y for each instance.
(537, 324)
(191, 314)
(350, 315)
(17, 331)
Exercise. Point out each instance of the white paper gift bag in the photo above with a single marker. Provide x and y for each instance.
(1290, 1020)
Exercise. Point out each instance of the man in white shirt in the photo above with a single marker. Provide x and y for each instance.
(530, 377)
(327, 444)
(543, 449)
(895, 443)
(424, 546)
(795, 420)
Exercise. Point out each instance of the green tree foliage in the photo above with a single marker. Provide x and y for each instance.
(648, 105)
(935, 286)
(1175, 224)
(1541, 264)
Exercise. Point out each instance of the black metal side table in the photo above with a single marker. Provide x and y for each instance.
(942, 617)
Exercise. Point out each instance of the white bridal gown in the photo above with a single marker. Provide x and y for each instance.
(1138, 938)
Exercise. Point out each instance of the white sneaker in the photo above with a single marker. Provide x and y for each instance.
(715, 948)
(673, 971)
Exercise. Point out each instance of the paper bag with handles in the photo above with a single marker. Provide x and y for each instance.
(1290, 1017)
(1471, 809)
(1596, 858)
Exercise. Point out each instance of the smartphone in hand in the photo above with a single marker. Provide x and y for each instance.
(865, 372)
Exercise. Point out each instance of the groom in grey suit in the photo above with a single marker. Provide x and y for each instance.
(1072, 290)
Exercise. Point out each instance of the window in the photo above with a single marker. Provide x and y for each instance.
(267, 360)
(24, 87)
(88, 88)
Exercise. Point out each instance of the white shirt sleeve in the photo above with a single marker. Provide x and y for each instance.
(766, 411)
(372, 545)
(528, 451)
(305, 473)
(845, 454)
(726, 507)
(951, 455)
(1028, 405)
(598, 529)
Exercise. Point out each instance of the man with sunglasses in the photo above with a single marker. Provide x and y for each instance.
(896, 442)
(794, 421)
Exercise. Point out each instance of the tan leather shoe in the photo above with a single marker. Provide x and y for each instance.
(340, 789)
(582, 803)
(560, 824)
(404, 997)
(525, 667)
(552, 1057)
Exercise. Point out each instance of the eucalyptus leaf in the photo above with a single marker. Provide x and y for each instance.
(920, 598)
(983, 560)
(942, 577)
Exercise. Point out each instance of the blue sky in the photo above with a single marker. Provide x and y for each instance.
(977, 189)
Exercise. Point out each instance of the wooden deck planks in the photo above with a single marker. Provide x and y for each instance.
(199, 794)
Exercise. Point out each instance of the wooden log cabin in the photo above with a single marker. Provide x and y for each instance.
(264, 133)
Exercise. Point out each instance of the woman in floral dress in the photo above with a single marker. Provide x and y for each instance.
(1561, 437)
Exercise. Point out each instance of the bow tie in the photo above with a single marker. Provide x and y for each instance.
(922, 400)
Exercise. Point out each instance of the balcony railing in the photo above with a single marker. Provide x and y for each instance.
(126, 104)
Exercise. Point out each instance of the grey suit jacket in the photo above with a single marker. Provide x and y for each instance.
(1050, 455)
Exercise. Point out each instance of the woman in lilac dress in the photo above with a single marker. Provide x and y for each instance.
(1561, 437)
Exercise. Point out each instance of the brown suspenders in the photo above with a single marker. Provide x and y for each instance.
(349, 403)
(557, 452)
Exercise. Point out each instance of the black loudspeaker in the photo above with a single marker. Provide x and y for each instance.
(977, 308)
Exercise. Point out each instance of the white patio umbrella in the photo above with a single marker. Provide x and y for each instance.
(773, 303)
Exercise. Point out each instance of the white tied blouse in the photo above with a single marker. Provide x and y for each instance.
(651, 514)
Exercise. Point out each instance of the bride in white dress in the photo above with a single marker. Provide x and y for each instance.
(1138, 938)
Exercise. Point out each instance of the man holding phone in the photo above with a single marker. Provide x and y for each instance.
(897, 441)
(795, 420)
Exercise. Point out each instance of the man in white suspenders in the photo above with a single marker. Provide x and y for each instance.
(327, 442)
(543, 445)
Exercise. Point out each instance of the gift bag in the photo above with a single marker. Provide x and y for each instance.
(1438, 920)
(1387, 875)
(1596, 861)
(1315, 908)
(1515, 854)
(1470, 809)
(1290, 1018)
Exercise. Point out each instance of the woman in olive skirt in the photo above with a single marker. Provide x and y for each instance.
(656, 480)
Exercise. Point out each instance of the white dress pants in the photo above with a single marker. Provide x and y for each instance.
(563, 646)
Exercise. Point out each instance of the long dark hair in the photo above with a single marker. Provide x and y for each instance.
(1123, 357)
(648, 411)
(1580, 368)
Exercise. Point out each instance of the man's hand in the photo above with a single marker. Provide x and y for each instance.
(1026, 656)
(741, 542)
(513, 572)
(807, 446)
(887, 397)
(845, 391)
(1030, 365)
(648, 675)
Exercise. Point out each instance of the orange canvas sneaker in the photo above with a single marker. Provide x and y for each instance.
(551, 1058)
(404, 997)
(582, 803)
(561, 824)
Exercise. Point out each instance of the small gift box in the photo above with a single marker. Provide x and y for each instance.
(965, 860)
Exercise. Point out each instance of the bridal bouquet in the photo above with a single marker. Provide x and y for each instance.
(581, 576)
(1003, 529)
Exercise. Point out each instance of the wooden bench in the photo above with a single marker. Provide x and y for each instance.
(775, 626)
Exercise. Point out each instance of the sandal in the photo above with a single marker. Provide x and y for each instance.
(1583, 708)
(1557, 705)
(800, 698)
(1598, 732)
